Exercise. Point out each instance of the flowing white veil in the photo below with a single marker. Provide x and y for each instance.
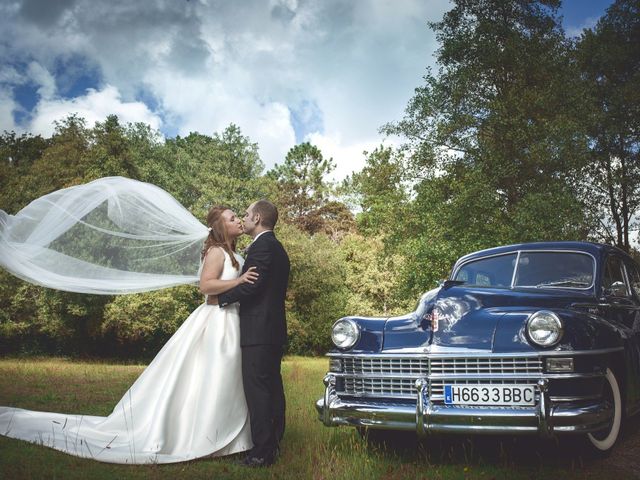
(110, 236)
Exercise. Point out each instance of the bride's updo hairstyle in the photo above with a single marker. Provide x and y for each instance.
(218, 235)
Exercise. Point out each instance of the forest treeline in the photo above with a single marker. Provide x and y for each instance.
(520, 133)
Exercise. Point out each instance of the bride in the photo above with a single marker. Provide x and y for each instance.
(189, 402)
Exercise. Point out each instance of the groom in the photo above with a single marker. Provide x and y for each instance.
(263, 331)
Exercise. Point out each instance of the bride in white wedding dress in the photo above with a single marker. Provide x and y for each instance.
(189, 402)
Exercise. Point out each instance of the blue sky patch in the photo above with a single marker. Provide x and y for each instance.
(75, 74)
(578, 14)
(26, 97)
(306, 118)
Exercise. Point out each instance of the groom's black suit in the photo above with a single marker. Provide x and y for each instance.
(263, 334)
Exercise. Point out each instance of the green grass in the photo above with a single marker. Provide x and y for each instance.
(309, 450)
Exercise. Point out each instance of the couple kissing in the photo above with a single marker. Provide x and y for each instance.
(215, 387)
(260, 291)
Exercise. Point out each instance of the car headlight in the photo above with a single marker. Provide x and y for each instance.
(544, 328)
(345, 333)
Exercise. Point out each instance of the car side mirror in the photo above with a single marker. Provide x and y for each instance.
(451, 283)
(617, 289)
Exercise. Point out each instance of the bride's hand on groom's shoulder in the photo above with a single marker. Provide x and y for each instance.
(250, 276)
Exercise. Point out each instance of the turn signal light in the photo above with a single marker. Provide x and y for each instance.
(559, 364)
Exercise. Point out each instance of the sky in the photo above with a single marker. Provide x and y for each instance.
(329, 72)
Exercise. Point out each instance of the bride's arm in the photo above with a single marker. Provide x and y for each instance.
(210, 283)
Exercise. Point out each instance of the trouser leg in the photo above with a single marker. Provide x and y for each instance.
(265, 397)
(279, 403)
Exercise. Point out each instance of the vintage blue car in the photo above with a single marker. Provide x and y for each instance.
(536, 338)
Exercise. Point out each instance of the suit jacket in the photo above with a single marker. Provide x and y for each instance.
(262, 312)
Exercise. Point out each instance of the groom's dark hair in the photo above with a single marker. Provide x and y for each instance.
(268, 213)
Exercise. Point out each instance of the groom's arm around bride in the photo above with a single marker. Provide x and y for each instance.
(263, 331)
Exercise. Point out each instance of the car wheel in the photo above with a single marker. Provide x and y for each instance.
(603, 440)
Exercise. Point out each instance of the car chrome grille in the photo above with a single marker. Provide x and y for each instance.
(395, 366)
(489, 365)
(395, 377)
(384, 387)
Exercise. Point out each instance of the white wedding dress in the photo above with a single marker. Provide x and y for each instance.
(188, 403)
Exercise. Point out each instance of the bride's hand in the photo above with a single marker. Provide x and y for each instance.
(250, 276)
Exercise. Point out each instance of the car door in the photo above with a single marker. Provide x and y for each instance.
(633, 355)
(616, 289)
(623, 309)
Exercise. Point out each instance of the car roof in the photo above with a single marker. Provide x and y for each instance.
(595, 249)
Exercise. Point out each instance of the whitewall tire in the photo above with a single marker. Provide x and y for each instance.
(604, 440)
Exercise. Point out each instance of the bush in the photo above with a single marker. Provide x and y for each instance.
(38, 320)
(317, 290)
(141, 324)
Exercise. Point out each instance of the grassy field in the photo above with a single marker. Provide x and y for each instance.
(309, 450)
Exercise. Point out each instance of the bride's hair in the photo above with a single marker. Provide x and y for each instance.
(218, 235)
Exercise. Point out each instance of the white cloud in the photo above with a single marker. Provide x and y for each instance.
(94, 106)
(210, 63)
(348, 157)
(210, 106)
(41, 77)
(275, 131)
(10, 76)
(7, 106)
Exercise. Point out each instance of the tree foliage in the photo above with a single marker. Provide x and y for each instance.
(317, 294)
(198, 170)
(373, 276)
(379, 192)
(609, 60)
(519, 134)
(302, 187)
(493, 140)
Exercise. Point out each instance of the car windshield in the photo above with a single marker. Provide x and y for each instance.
(537, 269)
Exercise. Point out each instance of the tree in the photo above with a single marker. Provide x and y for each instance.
(380, 193)
(22, 150)
(334, 219)
(493, 139)
(141, 324)
(17, 155)
(373, 277)
(198, 170)
(317, 293)
(64, 162)
(202, 171)
(111, 151)
(302, 189)
(609, 59)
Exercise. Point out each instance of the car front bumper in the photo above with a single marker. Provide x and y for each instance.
(544, 418)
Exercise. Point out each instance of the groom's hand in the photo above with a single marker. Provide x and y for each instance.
(212, 300)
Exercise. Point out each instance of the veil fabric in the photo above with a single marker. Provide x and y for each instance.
(110, 236)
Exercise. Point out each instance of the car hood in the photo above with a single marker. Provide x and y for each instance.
(475, 319)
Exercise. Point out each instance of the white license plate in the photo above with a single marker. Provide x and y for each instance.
(489, 394)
